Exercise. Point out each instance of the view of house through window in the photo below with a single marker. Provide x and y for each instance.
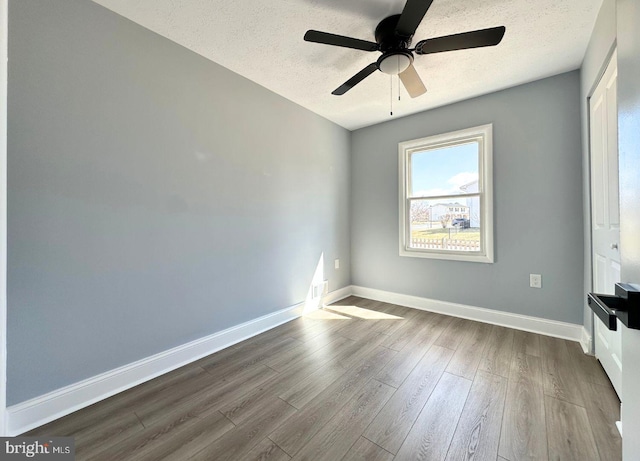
(450, 218)
(444, 196)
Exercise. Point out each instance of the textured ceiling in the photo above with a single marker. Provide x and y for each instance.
(262, 40)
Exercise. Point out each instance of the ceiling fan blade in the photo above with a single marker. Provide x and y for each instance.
(412, 82)
(353, 81)
(411, 17)
(474, 39)
(339, 40)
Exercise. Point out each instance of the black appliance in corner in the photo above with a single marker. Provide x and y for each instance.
(625, 306)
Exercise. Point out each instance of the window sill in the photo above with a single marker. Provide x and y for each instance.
(450, 256)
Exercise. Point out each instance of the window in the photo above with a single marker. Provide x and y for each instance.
(446, 199)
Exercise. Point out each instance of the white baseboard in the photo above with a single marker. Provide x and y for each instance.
(53, 405)
(546, 327)
(336, 295)
(585, 342)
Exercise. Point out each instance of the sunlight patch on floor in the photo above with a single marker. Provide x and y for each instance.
(321, 314)
(362, 313)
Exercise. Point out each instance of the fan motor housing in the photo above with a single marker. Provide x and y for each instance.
(386, 35)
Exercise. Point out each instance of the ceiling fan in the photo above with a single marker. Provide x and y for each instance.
(393, 38)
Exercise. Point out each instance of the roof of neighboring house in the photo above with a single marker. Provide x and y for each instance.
(464, 187)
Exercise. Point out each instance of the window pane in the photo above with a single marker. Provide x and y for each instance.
(436, 225)
(445, 171)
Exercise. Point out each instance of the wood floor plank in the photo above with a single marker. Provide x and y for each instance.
(560, 380)
(170, 395)
(282, 361)
(188, 441)
(405, 361)
(395, 420)
(315, 328)
(299, 429)
(238, 442)
(323, 322)
(453, 335)
(365, 450)
(498, 352)
(603, 410)
(306, 389)
(467, 358)
(587, 365)
(247, 358)
(357, 329)
(601, 402)
(408, 332)
(391, 326)
(207, 399)
(266, 451)
(359, 350)
(524, 436)
(526, 343)
(431, 435)
(140, 444)
(569, 432)
(478, 433)
(113, 430)
(336, 437)
(336, 351)
(241, 408)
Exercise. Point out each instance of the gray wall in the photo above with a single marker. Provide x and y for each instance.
(537, 204)
(154, 196)
(595, 61)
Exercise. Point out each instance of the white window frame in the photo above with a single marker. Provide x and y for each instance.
(484, 136)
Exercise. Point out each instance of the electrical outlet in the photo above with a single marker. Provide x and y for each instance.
(336, 264)
(535, 280)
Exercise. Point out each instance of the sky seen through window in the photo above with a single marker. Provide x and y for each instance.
(443, 171)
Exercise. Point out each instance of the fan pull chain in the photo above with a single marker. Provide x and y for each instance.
(398, 74)
(391, 95)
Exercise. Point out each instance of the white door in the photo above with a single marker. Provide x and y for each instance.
(605, 214)
(4, 17)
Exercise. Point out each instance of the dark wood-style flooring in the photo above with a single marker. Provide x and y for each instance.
(364, 380)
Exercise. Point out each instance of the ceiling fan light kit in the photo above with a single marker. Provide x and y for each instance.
(394, 63)
(393, 38)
